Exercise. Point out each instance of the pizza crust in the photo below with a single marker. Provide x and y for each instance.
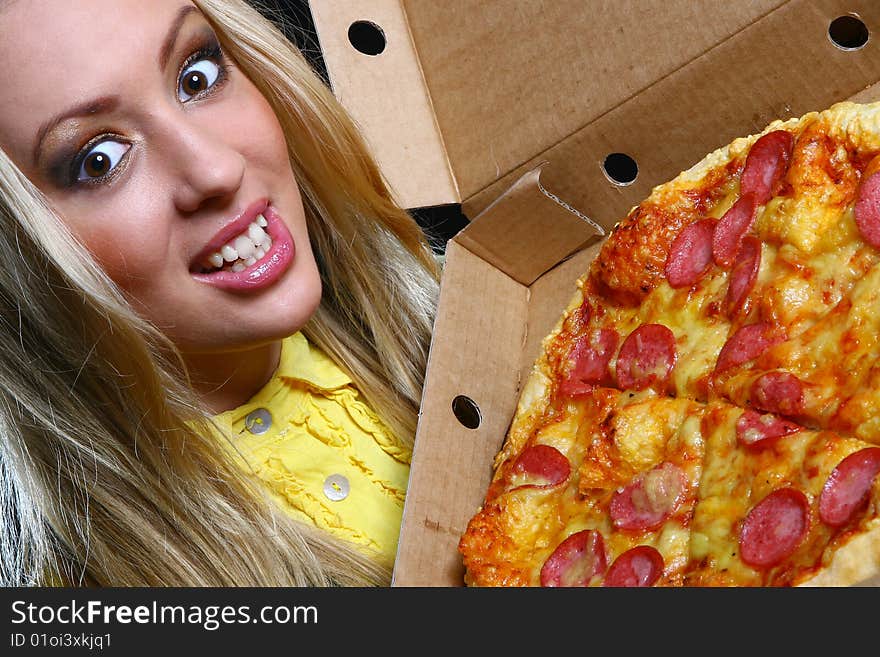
(854, 563)
(535, 394)
(857, 124)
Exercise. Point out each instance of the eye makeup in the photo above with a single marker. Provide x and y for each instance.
(64, 165)
(209, 49)
(81, 155)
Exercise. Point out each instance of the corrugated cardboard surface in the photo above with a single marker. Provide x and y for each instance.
(466, 91)
(495, 309)
(551, 66)
(386, 96)
(478, 335)
(467, 96)
(782, 65)
(508, 245)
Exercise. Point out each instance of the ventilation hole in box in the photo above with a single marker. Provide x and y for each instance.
(620, 169)
(366, 37)
(466, 411)
(848, 32)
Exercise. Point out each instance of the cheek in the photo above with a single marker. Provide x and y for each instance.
(261, 132)
(130, 247)
(132, 264)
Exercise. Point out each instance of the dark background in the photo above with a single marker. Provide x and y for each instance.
(293, 16)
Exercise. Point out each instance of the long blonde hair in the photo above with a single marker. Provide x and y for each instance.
(111, 472)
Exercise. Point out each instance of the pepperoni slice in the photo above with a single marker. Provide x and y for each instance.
(646, 357)
(541, 466)
(774, 528)
(746, 344)
(756, 430)
(576, 560)
(690, 254)
(590, 355)
(649, 499)
(731, 229)
(640, 566)
(766, 164)
(848, 486)
(867, 209)
(778, 392)
(744, 273)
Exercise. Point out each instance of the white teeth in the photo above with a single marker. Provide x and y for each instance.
(244, 247)
(229, 254)
(257, 234)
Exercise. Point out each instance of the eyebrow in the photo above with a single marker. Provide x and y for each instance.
(173, 31)
(108, 103)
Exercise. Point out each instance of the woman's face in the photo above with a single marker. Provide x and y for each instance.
(164, 160)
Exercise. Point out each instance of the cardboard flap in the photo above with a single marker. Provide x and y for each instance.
(464, 92)
(467, 96)
(510, 78)
(478, 336)
(386, 96)
(781, 66)
(528, 230)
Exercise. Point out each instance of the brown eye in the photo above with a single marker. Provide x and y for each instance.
(194, 82)
(101, 158)
(197, 78)
(96, 164)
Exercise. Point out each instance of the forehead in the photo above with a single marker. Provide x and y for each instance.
(57, 53)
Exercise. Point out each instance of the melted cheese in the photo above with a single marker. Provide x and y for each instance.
(803, 220)
(736, 478)
(642, 431)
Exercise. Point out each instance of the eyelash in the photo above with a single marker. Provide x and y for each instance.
(213, 52)
(210, 50)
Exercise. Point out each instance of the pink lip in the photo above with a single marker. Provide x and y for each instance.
(265, 271)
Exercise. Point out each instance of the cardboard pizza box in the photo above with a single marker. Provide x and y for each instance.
(547, 122)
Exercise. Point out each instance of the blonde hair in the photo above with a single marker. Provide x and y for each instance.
(111, 472)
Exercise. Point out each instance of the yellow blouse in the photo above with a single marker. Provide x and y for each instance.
(324, 455)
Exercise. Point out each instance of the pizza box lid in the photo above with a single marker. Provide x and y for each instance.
(535, 116)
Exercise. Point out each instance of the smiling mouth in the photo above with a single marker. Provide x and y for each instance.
(243, 251)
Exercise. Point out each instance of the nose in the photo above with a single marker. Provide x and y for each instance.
(205, 165)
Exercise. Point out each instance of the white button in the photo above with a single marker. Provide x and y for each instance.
(336, 487)
(258, 421)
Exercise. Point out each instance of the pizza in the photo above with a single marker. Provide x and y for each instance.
(706, 411)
